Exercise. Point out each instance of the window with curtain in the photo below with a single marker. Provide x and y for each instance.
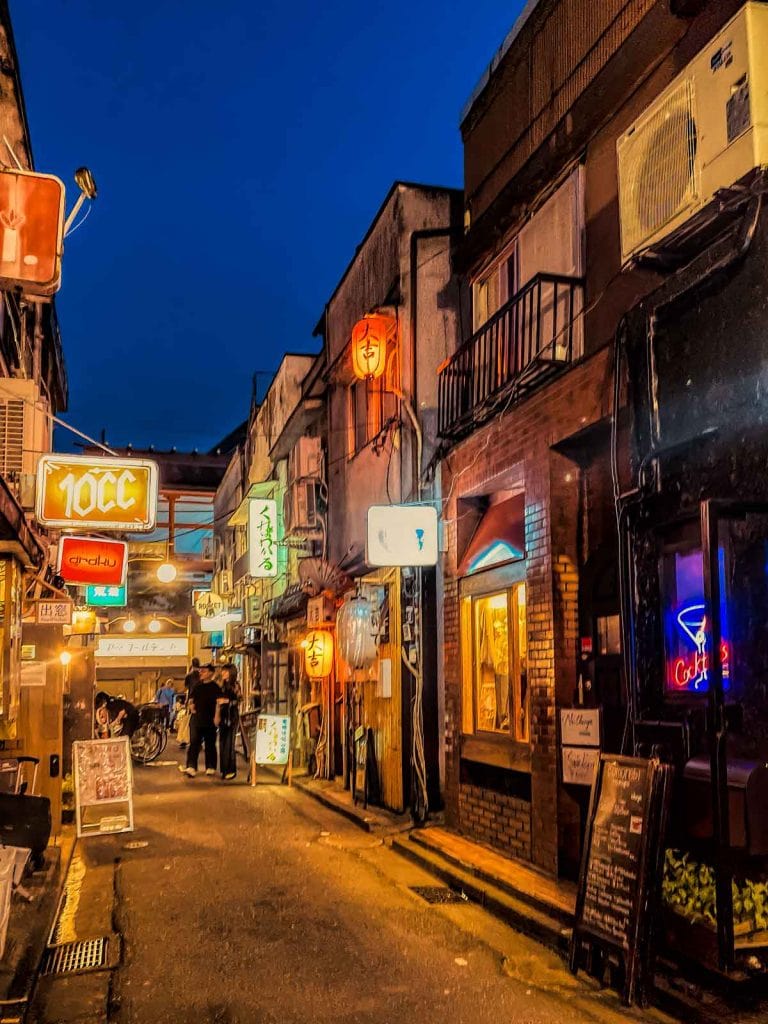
(494, 647)
(551, 242)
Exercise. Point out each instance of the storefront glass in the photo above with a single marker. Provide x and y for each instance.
(496, 636)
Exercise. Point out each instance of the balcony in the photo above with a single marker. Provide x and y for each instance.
(536, 335)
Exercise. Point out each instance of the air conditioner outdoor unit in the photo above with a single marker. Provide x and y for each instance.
(25, 433)
(705, 132)
(306, 460)
(300, 507)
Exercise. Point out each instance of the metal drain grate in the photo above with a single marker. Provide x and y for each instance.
(439, 894)
(87, 955)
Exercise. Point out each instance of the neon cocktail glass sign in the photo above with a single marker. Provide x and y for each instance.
(690, 671)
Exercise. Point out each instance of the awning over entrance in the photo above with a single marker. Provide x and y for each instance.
(499, 537)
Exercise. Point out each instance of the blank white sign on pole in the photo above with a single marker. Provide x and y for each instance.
(401, 535)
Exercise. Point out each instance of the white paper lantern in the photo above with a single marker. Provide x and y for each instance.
(356, 632)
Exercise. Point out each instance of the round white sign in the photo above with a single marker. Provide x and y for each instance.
(209, 604)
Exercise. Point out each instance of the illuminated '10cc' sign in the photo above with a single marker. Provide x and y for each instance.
(111, 493)
(91, 492)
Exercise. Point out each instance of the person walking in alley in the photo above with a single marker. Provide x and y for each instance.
(166, 697)
(191, 680)
(202, 730)
(227, 718)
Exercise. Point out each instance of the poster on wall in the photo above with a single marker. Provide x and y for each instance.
(103, 779)
(272, 739)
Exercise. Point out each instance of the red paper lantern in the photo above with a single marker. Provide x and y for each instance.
(369, 345)
(318, 654)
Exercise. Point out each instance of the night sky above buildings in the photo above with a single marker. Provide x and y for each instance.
(241, 150)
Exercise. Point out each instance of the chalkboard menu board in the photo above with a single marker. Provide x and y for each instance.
(616, 851)
(621, 862)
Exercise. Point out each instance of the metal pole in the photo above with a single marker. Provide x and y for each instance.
(717, 738)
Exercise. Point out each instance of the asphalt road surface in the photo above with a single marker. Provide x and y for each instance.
(260, 906)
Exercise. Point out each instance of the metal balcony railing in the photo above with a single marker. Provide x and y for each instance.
(535, 335)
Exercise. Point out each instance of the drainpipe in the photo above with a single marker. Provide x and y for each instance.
(420, 802)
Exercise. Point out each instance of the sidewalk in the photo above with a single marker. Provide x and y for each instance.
(29, 927)
(529, 901)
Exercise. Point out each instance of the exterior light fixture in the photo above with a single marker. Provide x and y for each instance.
(318, 654)
(356, 632)
(129, 626)
(65, 657)
(167, 572)
(154, 626)
(369, 345)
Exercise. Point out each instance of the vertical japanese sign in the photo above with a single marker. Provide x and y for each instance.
(272, 739)
(262, 537)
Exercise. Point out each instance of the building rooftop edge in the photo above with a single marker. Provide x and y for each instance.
(497, 58)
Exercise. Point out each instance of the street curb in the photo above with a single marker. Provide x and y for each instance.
(358, 816)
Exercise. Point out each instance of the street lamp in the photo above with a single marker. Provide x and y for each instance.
(65, 657)
(154, 625)
(167, 572)
(129, 626)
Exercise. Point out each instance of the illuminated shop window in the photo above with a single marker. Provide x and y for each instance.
(687, 634)
(494, 644)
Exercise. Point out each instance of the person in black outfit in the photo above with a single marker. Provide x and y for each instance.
(202, 730)
(228, 714)
(122, 718)
(191, 679)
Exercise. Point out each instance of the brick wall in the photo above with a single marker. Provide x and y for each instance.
(516, 450)
(500, 820)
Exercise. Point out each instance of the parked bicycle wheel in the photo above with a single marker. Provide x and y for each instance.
(147, 743)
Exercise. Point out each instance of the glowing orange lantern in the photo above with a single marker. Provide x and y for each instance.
(318, 654)
(369, 345)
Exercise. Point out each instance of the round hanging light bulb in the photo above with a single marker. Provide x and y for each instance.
(154, 626)
(65, 657)
(167, 572)
(129, 626)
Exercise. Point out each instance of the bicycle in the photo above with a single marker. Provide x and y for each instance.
(150, 738)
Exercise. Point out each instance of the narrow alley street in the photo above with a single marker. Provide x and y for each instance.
(260, 905)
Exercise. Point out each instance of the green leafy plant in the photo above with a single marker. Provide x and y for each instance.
(688, 888)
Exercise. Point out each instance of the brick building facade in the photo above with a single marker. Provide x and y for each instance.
(532, 426)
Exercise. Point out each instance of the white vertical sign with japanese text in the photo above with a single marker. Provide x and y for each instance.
(262, 537)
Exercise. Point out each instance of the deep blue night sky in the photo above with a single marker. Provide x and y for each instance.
(241, 149)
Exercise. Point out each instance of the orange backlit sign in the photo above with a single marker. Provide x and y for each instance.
(31, 231)
(84, 560)
(105, 493)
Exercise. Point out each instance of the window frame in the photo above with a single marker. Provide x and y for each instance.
(364, 423)
(510, 284)
(511, 580)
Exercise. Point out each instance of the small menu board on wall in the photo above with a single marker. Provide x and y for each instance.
(621, 866)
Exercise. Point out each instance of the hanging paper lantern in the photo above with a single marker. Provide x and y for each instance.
(318, 654)
(356, 631)
(369, 345)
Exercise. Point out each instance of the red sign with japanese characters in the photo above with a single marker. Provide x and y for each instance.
(85, 560)
(31, 231)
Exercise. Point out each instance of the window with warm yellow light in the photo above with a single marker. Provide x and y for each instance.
(494, 663)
